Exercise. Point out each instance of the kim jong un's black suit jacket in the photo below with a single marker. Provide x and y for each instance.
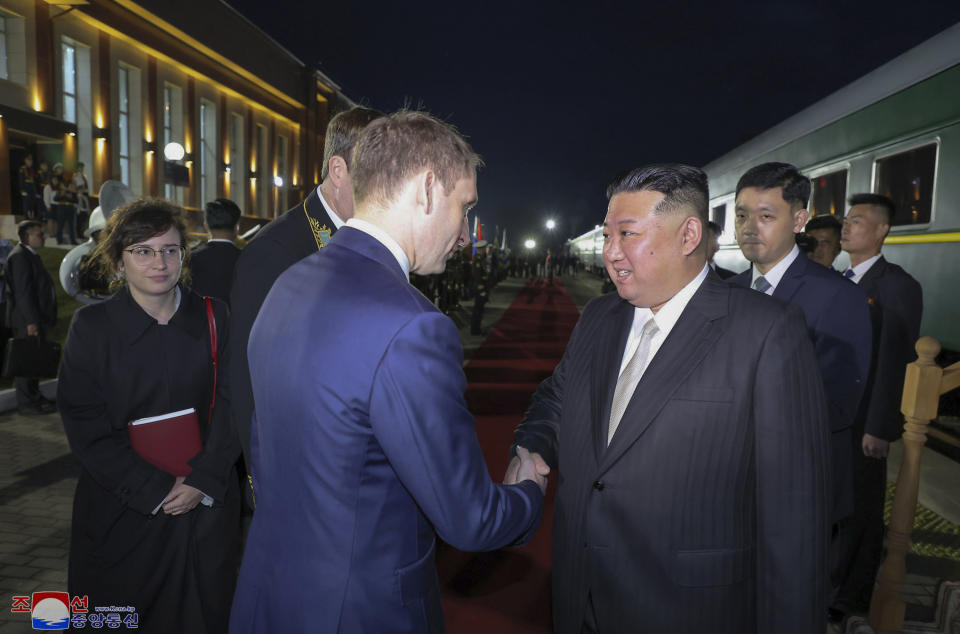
(277, 247)
(708, 512)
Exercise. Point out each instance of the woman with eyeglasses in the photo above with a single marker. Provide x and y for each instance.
(164, 546)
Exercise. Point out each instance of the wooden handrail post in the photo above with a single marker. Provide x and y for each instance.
(921, 396)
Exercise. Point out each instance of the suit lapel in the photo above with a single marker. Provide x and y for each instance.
(684, 349)
(792, 279)
(606, 369)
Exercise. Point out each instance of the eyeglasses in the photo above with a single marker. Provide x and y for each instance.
(145, 255)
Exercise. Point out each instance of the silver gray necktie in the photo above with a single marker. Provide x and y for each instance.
(627, 382)
(761, 284)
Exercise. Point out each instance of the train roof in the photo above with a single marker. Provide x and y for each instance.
(921, 62)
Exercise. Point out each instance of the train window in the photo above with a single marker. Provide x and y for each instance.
(719, 215)
(829, 194)
(907, 178)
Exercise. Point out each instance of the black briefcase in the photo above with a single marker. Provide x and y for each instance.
(31, 358)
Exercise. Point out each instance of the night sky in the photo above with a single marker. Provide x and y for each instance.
(558, 97)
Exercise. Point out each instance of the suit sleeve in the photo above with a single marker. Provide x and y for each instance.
(25, 289)
(214, 465)
(540, 430)
(900, 316)
(843, 344)
(792, 497)
(420, 419)
(103, 451)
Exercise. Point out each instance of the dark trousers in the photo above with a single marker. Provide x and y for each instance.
(477, 317)
(66, 217)
(28, 390)
(861, 549)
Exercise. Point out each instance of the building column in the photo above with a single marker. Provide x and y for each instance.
(153, 158)
(103, 137)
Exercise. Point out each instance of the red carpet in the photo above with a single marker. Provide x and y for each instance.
(509, 591)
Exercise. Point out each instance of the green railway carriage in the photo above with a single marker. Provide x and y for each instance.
(895, 131)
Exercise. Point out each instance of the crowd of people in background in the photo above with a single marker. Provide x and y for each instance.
(54, 197)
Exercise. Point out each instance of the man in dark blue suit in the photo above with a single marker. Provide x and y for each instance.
(896, 307)
(689, 428)
(363, 449)
(212, 265)
(770, 209)
(299, 232)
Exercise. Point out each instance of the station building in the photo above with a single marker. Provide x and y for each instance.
(110, 83)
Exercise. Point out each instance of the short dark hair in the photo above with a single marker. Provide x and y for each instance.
(222, 213)
(135, 222)
(824, 221)
(680, 184)
(878, 201)
(794, 186)
(396, 147)
(342, 133)
(25, 226)
(715, 228)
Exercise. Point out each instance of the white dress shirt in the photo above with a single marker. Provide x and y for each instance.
(666, 318)
(774, 275)
(861, 269)
(334, 218)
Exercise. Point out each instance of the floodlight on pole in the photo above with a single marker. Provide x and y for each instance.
(529, 244)
(551, 224)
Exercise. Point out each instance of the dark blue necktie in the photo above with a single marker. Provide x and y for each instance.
(848, 273)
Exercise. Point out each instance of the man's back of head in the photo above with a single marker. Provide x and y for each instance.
(221, 217)
(415, 177)
(343, 130)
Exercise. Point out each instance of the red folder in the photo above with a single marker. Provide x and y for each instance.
(168, 441)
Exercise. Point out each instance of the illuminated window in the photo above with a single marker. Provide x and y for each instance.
(907, 178)
(123, 123)
(129, 126)
(4, 71)
(829, 194)
(172, 131)
(69, 59)
(13, 48)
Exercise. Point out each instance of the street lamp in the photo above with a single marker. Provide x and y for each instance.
(173, 151)
(529, 244)
(551, 224)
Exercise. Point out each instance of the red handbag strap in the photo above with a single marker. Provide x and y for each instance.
(212, 324)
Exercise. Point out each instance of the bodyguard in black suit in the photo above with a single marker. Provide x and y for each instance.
(31, 306)
(212, 265)
(293, 236)
(770, 209)
(689, 427)
(896, 301)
